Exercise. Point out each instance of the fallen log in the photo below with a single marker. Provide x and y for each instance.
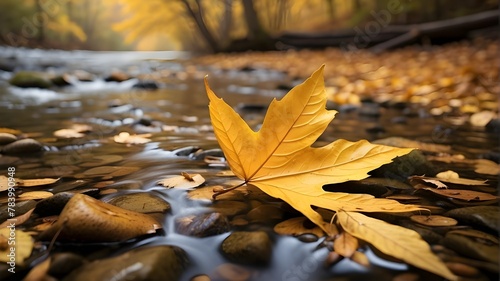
(394, 35)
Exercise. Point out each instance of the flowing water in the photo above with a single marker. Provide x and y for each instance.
(114, 107)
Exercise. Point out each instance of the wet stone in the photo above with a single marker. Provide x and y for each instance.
(484, 216)
(203, 225)
(146, 85)
(244, 247)
(27, 79)
(22, 147)
(157, 263)
(6, 138)
(307, 238)
(141, 202)
(230, 207)
(53, 205)
(473, 248)
(62, 264)
(265, 213)
(413, 163)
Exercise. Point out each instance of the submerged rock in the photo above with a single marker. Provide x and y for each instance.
(413, 163)
(203, 225)
(22, 146)
(85, 219)
(62, 264)
(245, 247)
(27, 79)
(157, 263)
(141, 203)
(6, 138)
(473, 248)
(484, 216)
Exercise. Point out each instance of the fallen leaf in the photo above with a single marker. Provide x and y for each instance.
(434, 220)
(345, 244)
(185, 181)
(296, 227)
(4, 182)
(34, 195)
(487, 167)
(467, 195)
(37, 182)
(127, 138)
(421, 182)
(87, 219)
(280, 161)
(480, 119)
(226, 173)
(23, 246)
(396, 241)
(361, 259)
(447, 175)
(68, 134)
(402, 142)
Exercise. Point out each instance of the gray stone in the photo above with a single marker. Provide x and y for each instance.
(484, 216)
(27, 79)
(140, 202)
(53, 205)
(21, 208)
(6, 138)
(156, 263)
(469, 247)
(62, 264)
(244, 247)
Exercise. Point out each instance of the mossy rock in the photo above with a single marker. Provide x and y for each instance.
(27, 79)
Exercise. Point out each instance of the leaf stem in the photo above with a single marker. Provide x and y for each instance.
(217, 193)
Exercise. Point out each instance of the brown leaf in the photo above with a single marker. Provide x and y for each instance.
(34, 195)
(68, 134)
(345, 244)
(361, 259)
(19, 219)
(434, 220)
(467, 195)
(296, 227)
(184, 181)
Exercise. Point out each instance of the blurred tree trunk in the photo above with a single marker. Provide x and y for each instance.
(255, 30)
(227, 21)
(194, 10)
(331, 9)
(41, 22)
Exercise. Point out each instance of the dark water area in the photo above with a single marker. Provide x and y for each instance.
(181, 104)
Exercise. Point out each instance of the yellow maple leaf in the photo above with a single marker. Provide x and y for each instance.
(280, 161)
(397, 241)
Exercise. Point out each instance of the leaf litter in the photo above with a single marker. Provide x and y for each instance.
(279, 160)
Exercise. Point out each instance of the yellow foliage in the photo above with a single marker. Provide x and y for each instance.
(393, 240)
(280, 161)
